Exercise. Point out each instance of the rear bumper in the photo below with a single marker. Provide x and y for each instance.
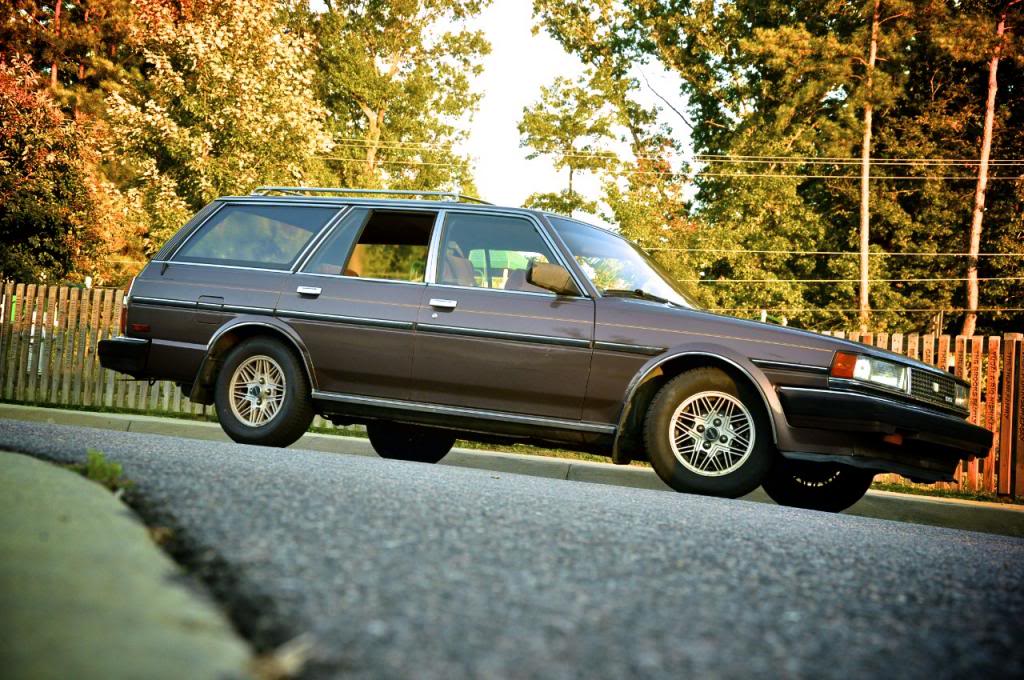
(125, 355)
(849, 427)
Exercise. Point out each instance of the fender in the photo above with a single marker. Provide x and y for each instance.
(249, 321)
(773, 406)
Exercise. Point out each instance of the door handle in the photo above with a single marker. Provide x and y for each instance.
(443, 304)
(312, 291)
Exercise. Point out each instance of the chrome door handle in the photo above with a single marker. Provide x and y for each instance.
(443, 304)
(309, 290)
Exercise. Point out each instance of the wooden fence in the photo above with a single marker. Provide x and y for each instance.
(49, 334)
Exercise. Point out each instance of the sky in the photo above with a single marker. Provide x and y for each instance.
(513, 73)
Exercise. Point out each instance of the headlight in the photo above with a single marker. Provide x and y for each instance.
(869, 369)
(960, 399)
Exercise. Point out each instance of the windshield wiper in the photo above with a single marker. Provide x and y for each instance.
(637, 293)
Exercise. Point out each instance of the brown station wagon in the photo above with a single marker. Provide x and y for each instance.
(428, 320)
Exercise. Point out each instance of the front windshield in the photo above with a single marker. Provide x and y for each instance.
(614, 264)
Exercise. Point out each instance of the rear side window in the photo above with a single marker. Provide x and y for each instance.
(264, 236)
(490, 251)
(392, 246)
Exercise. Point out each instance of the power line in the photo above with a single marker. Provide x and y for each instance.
(916, 280)
(827, 252)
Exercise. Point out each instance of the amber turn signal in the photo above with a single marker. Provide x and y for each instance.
(843, 365)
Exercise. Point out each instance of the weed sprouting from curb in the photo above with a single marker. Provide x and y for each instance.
(102, 471)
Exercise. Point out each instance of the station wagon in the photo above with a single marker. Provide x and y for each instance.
(430, 317)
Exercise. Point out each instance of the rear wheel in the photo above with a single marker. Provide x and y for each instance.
(262, 394)
(817, 486)
(708, 433)
(409, 442)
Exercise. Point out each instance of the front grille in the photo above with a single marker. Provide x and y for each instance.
(933, 388)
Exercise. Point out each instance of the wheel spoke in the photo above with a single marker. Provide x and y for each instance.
(735, 426)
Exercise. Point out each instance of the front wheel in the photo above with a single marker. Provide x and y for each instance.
(709, 433)
(409, 442)
(817, 486)
(262, 394)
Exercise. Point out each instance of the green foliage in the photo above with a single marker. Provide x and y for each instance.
(45, 209)
(102, 471)
(395, 77)
(787, 80)
(227, 104)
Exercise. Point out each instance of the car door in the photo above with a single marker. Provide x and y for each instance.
(234, 263)
(487, 339)
(355, 302)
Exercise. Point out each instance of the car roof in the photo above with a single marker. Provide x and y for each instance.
(411, 203)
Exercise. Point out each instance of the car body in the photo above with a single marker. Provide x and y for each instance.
(427, 313)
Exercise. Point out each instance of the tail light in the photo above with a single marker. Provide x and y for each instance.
(124, 308)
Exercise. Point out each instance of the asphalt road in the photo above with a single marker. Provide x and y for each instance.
(407, 570)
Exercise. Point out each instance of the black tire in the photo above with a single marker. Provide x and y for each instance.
(295, 412)
(828, 487)
(399, 441)
(743, 466)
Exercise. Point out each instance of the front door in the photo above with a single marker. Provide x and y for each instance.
(355, 302)
(486, 338)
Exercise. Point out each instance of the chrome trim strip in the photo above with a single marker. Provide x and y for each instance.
(550, 296)
(647, 350)
(220, 266)
(557, 423)
(164, 302)
(502, 335)
(349, 320)
(787, 366)
(430, 275)
(885, 400)
(126, 339)
(242, 309)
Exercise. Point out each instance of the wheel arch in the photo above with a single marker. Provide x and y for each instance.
(659, 370)
(230, 335)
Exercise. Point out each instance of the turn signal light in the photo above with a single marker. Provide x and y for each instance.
(843, 365)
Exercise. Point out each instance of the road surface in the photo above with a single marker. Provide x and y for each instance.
(397, 569)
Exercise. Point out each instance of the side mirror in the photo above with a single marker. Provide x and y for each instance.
(553, 277)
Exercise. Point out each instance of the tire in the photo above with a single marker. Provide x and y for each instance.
(817, 486)
(729, 458)
(282, 412)
(409, 442)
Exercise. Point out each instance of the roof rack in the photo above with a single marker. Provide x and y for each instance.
(299, 191)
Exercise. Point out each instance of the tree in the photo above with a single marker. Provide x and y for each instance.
(227, 103)
(971, 319)
(395, 78)
(571, 123)
(45, 210)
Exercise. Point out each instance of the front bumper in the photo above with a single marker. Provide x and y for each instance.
(842, 425)
(125, 355)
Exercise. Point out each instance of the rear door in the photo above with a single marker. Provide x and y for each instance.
(486, 338)
(354, 303)
(234, 263)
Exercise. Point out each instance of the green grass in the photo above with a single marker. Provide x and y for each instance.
(102, 471)
(928, 490)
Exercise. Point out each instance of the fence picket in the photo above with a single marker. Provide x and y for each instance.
(1006, 416)
(25, 346)
(976, 414)
(988, 481)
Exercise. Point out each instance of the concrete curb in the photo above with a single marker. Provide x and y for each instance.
(86, 594)
(987, 517)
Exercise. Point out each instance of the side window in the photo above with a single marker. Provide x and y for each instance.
(488, 251)
(266, 236)
(393, 246)
(330, 257)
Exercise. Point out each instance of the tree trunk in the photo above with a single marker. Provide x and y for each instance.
(56, 30)
(865, 176)
(971, 320)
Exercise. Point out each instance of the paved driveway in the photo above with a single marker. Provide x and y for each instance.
(406, 570)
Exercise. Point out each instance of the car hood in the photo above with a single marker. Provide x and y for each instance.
(759, 340)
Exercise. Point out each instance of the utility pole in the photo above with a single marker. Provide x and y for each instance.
(865, 176)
